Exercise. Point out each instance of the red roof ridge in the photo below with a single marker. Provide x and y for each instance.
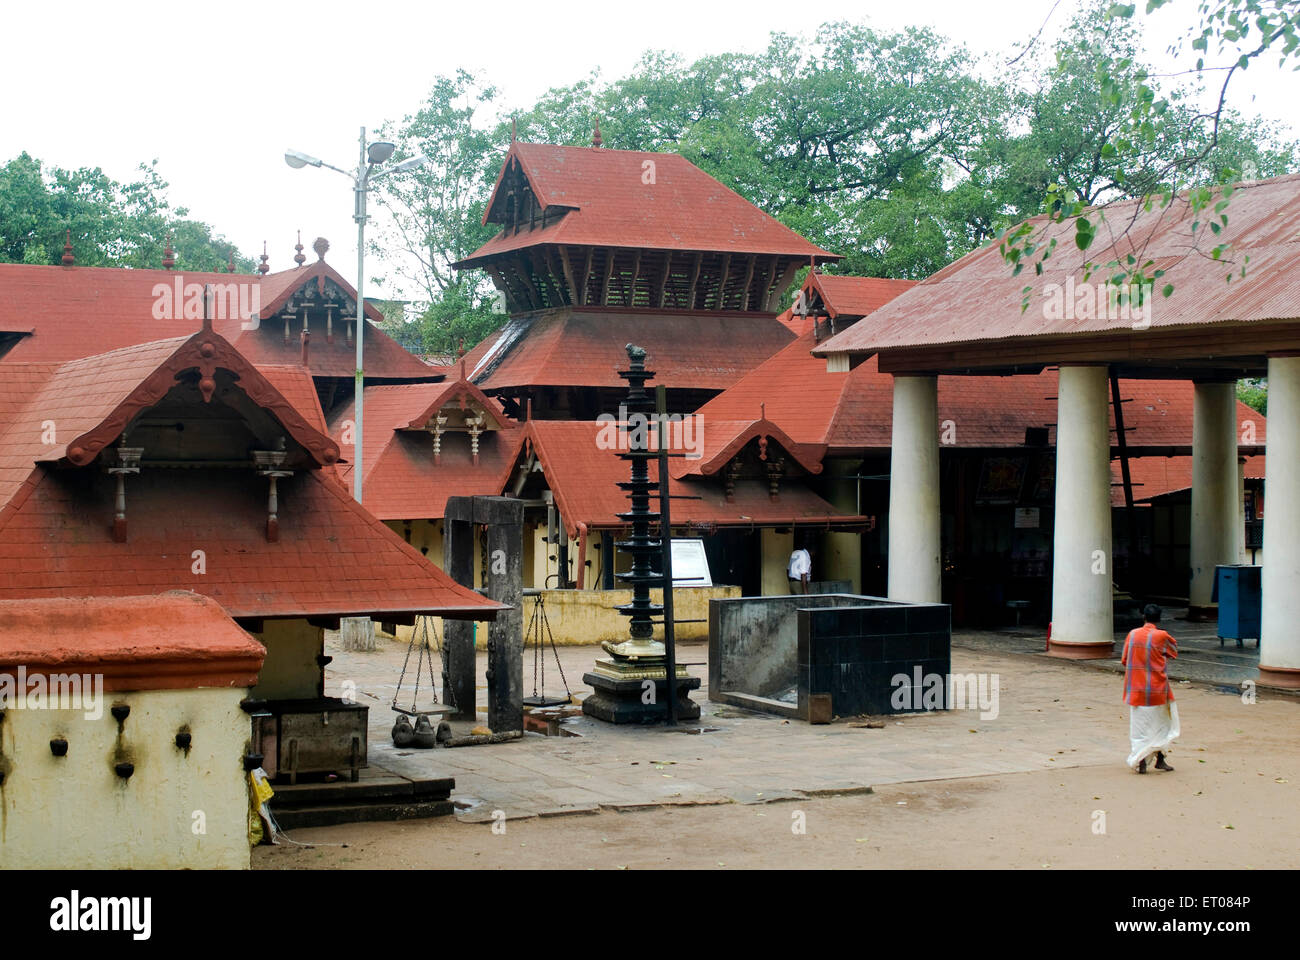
(807, 455)
(290, 281)
(207, 350)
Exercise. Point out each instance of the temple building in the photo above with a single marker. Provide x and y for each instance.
(178, 464)
(996, 463)
(144, 454)
(1220, 324)
(599, 248)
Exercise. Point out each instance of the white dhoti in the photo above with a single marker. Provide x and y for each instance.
(1151, 730)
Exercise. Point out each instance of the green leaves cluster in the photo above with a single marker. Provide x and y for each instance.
(1154, 145)
(112, 224)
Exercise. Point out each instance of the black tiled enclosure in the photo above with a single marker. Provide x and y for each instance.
(775, 653)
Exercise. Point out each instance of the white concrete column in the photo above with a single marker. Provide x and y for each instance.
(1279, 643)
(1215, 503)
(914, 545)
(1082, 605)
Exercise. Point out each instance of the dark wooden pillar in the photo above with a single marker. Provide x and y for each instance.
(504, 518)
(458, 635)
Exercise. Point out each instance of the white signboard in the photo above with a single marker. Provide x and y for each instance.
(690, 565)
(1027, 518)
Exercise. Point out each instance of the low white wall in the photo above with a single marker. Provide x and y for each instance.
(175, 811)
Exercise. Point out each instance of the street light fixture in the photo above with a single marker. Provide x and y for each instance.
(378, 152)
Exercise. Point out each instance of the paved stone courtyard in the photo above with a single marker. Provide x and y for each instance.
(1051, 714)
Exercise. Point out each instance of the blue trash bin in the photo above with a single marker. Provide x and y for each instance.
(1237, 590)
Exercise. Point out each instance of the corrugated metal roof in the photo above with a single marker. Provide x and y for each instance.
(977, 298)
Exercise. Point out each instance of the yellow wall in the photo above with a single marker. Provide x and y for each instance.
(777, 548)
(588, 616)
(841, 553)
(74, 812)
(290, 671)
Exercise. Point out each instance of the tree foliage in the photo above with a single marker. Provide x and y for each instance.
(111, 224)
(1159, 148)
(894, 149)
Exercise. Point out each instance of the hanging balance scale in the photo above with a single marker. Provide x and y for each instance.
(533, 637)
(421, 733)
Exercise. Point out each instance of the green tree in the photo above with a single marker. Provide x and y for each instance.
(111, 224)
(1155, 146)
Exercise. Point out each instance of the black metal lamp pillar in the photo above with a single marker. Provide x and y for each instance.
(632, 685)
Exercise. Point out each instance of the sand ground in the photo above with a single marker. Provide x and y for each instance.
(1056, 795)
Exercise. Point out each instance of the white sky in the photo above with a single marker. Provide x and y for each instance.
(217, 91)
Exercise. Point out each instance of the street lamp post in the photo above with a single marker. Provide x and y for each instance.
(368, 158)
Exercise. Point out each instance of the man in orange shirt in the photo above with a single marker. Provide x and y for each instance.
(1153, 716)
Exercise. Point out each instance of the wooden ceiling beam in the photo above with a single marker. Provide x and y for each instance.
(661, 286)
(609, 273)
(534, 298)
(636, 275)
(586, 274)
(575, 295)
(695, 276)
(749, 280)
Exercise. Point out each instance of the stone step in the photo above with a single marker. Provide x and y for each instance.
(331, 814)
(367, 790)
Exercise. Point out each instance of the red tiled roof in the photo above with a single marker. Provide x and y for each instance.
(172, 641)
(77, 312)
(83, 405)
(584, 480)
(296, 386)
(720, 440)
(402, 481)
(609, 203)
(1158, 476)
(586, 348)
(977, 298)
(855, 296)
(853, 411)
(332, 558)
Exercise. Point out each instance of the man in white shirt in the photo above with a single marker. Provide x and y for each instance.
(800, 570)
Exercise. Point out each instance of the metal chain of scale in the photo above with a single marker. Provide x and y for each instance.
(425, 653)
(533, 636)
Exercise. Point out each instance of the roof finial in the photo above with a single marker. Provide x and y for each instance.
(460, 347)
(207, 299)
(230, 262)
(812, 263)
(264, 267)
(169, 257)
(462, 368)
(762, 411)
(595, 137)
(514, 129)
(68, 258)
(321, 246)
(299, 258)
